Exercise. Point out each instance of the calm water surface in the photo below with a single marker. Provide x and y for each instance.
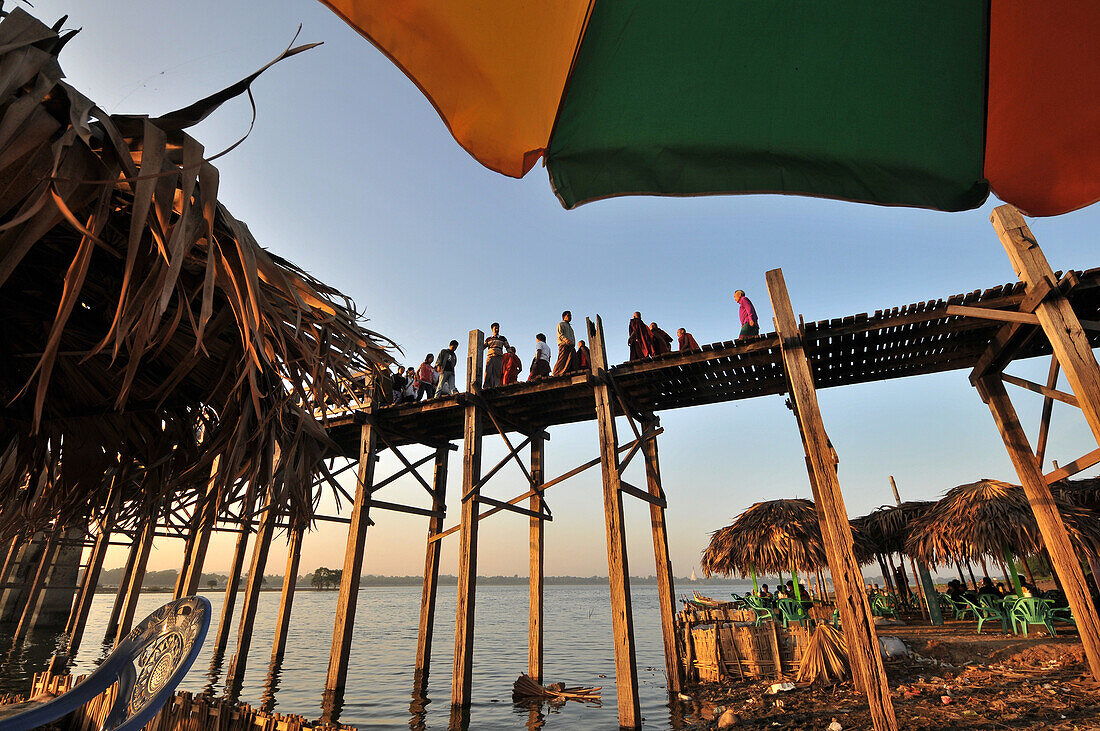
(578, 651)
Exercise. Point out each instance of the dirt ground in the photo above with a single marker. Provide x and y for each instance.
(953, 679)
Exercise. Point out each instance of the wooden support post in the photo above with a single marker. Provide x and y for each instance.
(918, 583)
(79, 615)
(286, 600)
(931, 596)
(618, 574)
(34, 591)
(431, 573)
(666, 591)
(200, 539)
(855, 613)
(1053, 530)
(349, 580)
(120, 595)
(232, 583)
(462, 675)
(234, 677)
(137, 577)
(535, 574)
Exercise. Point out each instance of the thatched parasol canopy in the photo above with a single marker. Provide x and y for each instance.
(886, 529)
(144, 332)
(770, 537)
(985, 518)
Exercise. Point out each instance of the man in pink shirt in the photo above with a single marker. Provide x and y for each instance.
(750, 324)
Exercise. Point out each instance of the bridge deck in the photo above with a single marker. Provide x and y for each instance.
(904, 341)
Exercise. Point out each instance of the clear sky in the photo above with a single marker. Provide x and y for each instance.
(351, 174)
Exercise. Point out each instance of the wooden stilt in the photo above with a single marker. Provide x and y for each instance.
(79, 616)
(666, 591)
(1053, 530)
(232, 584)
(1048, 407)
(535, 574)
(34, 591)
(855, 613)
(9, 557)
(120, 595)
(918, 583)
(931, 596)
(137, 578)
(431, 572)
(622, 618)
(349, 580)
(234, 676)
(462, 675)
(208, 513)
(286, 600)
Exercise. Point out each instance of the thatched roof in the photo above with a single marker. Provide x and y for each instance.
(769, 537)
(983, 517)
(886, 529)
(1083, 493)
(144, 330)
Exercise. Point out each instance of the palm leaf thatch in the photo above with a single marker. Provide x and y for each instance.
(885, 530)
(770, 537)
(1082, 493)
(145, 333)
(825, 657)
(987, 517)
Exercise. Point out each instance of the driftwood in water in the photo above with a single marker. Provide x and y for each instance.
(527, 689)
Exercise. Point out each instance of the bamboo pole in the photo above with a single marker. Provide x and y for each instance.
(535, 581)
(431, 573)
(462, 673)
(622, 617)
(666, 591)
(855, 612)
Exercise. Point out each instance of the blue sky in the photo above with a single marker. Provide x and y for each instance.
(351, 174)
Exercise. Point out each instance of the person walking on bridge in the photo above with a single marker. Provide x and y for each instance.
(686, 340)
(750, 323)
(662, 341)
(512, 366)
(567, 346)
(584, 358)
(639, 338)
(540, 364)
(496, 345)
(445, 363)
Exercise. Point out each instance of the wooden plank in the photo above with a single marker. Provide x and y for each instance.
(208, 513)
(137, 577)
(622, 618)
(34, 590)
(1048, 407)
(340, 652)
(1055, 538)
(855, 613)
(78, 617)
(666, 592)
(462, 675)
(431, 575)
(1052, 393)
(510, 507)
(232, 587)
(120, 595)
(1078, 465)
(399, 508)
(642, 494)
(987, 313)
(535, 578)
(286, 598)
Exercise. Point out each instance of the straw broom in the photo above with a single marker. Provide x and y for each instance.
(825, 657)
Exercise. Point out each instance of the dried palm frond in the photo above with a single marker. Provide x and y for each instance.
(145, 333)
(770, 537)
(886, 529)
(825, 657)
(527, 689)
(987, 517)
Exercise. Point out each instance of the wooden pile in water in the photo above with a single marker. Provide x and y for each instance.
(525, 688)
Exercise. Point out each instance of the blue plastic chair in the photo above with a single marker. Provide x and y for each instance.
(148, 665)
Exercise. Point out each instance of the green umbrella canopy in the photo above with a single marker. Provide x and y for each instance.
(770, 537)
(886, 529)
(985, 518)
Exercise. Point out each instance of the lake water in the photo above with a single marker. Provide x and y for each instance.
(578, 651)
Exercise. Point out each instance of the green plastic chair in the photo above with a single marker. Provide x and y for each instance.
(880, 607)
(961, 608)
(987, 609)
(790, 610)
(763, 614)
(1033, 610)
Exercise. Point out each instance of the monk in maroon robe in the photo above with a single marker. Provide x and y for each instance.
(640, 339)
(511, 366)
(584, 358)
(662, 341)
(687, 342)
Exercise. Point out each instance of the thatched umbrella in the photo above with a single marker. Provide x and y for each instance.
(144, 331)
(770, 537)
(991, 518)
(883, 532)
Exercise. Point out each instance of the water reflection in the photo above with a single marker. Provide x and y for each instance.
(213, 674)
(271, 685)
(332, 705)
(460, 719)
(418, 707)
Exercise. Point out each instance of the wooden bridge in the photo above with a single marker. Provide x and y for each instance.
(1046, 313)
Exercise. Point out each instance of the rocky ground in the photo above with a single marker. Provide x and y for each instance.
(953, 679)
